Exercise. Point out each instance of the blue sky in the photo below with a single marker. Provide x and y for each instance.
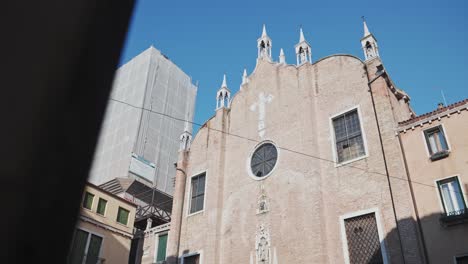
(423, 44)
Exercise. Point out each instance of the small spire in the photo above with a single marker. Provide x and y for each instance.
(264, 33)
(282, 58)
(244, 76)
(224, 82)
(366, 29)
(301, 36)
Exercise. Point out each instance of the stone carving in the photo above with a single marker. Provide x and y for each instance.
(262, 246)
(262, 206)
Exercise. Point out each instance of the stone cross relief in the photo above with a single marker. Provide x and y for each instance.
(261, 105)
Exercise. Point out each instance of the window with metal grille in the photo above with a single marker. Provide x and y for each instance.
(363, 240)
(348, 136)
(194, 259)
(197, 193)
(436, 142)
(452, 196)
(264, 160)
(88, 200)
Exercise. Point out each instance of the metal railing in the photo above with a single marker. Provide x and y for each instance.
(454, 217)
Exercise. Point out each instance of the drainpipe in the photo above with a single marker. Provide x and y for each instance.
(381, 72)
(413, 199)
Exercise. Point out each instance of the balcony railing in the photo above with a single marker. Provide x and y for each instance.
(454, 217)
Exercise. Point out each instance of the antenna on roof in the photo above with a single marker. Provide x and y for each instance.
(443, 97)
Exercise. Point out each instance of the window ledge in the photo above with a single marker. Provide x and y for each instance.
(454, 218)
(440, 155)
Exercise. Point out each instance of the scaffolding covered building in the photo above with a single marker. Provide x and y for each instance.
(150, 99)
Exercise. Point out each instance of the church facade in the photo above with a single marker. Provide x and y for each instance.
(302, 165)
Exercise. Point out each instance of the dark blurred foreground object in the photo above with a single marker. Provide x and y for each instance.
(57, 67)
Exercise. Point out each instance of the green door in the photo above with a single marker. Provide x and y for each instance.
(162, 244)
(78, 247)
(93, 250)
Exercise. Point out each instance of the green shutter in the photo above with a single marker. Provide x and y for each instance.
(162, 244)
(101, 208)
(88, 200)
(122, 216)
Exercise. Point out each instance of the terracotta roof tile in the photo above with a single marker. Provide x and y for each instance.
(435, 112)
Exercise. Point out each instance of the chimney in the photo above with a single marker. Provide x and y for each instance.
(440, 105)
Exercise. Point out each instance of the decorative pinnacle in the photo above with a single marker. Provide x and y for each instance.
(224, 82)
(244, 76)
(301, 35)
(264, 34)
(281, 52)
(366, 29)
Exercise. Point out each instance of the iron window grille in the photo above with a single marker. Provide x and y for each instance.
(197, 193)
(348, 136)
(363, 239)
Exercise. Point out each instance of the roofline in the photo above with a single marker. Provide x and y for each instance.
(111, 194)
(446, 111)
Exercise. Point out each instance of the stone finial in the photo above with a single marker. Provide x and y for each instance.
(282, 58)
(366, 29)
(244, 77)
(301, 36)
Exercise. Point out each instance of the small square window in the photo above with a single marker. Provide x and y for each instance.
(88, 200)
(348, 136)
(436, 142)
(197, 196)
(122, 216)
(452, 196)
(101, 208)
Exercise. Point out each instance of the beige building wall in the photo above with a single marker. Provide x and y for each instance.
(115, 247)
(443, 242)
(308, 194)
(150, 243)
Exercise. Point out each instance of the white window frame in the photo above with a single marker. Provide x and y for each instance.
(196, 252)
(441, 202)
(428, 153)
(344, 239)
(189, 192)
(333, 137)
(249, 169)
(89, 239)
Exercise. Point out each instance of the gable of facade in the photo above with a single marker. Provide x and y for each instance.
(297, 209)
